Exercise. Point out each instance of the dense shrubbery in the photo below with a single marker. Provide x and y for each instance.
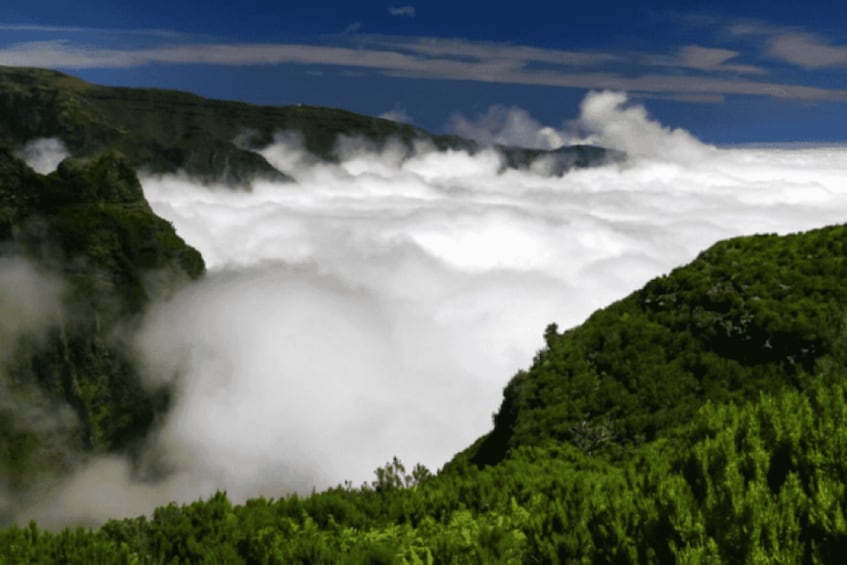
(758, 482)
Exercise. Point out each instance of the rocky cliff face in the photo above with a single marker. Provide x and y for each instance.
(82, 254)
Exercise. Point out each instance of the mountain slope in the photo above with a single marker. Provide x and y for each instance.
(166, 131)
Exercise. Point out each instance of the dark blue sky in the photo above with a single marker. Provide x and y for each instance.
(735, 72)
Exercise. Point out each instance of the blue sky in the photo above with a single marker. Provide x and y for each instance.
(735, 72)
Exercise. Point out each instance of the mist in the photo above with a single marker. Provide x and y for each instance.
(30, 301)
(378, 305)
(30, 305)
(43, 155)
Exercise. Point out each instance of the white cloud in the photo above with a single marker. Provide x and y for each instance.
(30, 301)
(807, 50)
(791, 44)
(712, 59)
(151, 32)
(377, 306)
(694, 97)
(489, 50)
(43, 155)
(630, 130)
(61, 53)
(510, 126)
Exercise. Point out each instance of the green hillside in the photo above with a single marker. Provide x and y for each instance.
(751, 315)
(166, 131)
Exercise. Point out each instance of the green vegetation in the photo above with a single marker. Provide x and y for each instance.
(750, 315)
(88, 226)
(166, 131)
(752, 483)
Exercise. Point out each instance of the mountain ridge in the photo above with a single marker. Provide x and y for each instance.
(165, 131)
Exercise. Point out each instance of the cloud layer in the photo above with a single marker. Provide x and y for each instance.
(377, 306)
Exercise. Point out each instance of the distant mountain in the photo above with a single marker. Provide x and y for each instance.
(166, 131)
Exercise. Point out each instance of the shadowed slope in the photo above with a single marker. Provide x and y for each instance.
(89, 228)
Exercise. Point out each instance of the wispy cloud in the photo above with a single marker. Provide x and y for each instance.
(792, 45)
(749, 28)
(692, 98)
(700, 74)
(709, 59)
(408, 11)
(63, 54)
(150, 32)
(808, 50)
(488, 50)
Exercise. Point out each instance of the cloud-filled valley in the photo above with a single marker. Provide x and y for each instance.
(377, 305)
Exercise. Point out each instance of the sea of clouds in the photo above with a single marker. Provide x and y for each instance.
(377, 305)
